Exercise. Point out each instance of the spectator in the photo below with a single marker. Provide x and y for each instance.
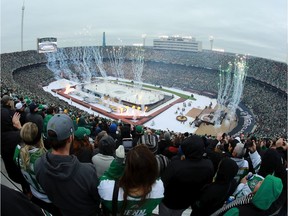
(137, 133)
(49, 114)
(10, 137)
(172, 147)
(126, 137)
(20, 107)
(16, 203)
(69, 184)
(139, 189)
(25, 158)
(99, 136)
(82, 122)
(165, 141)
(184, 179)
(238, 153)
(150, 140)
(271, 164)
(106, 154)
(34, 116)
(81, 147)
(216, 151)
(113, 132)
(264, 194)
(215, 194)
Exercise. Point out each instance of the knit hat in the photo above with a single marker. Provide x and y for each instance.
(81, 132)
(139, 129)
(32, 107)
(98, 130)
(167, 136)
(107, 145)
(151, 141)
(238, 139)
(18, 106)
(62, 125)
(5, 99)
(113, 128)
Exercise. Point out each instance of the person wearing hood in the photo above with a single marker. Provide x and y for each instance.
(183, 179)
(68, 183)
(214, 195)
(271, 163)
(262, 197)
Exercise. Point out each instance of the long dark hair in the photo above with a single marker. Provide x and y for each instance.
(141, 171)
(80, 145)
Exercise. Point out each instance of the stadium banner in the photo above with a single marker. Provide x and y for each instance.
(47, 44)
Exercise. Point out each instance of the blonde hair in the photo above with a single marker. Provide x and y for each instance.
(29, 133)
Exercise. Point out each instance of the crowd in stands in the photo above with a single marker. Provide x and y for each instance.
(98, 139)
(29, 80)
(70, 165)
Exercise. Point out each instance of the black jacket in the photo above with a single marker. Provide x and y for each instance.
(215, 194)
(183, 181)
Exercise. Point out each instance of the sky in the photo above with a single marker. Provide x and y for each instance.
(252, 27)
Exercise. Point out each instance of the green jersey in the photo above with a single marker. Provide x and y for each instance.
(134, 205)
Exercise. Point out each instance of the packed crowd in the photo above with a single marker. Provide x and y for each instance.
(85, 165)
(50, 129)
(25, 73)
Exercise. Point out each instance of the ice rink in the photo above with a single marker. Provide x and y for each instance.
(125, 92)
(164, 120)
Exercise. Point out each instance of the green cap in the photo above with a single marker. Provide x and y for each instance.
(81, 132)
(139, 129)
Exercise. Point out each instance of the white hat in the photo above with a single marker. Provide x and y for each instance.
(238, 138)
(18, 106)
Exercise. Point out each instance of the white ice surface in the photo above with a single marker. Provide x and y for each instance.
(165, 120)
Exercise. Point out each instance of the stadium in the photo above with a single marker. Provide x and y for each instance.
(265, 92)
(144, 108)
(169, 78)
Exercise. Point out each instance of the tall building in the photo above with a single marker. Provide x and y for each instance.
(177, 43)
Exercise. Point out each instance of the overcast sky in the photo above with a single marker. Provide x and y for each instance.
(255, 27)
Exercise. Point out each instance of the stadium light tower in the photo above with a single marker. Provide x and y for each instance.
(22, 23)
(211, 39)
(144, 38)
